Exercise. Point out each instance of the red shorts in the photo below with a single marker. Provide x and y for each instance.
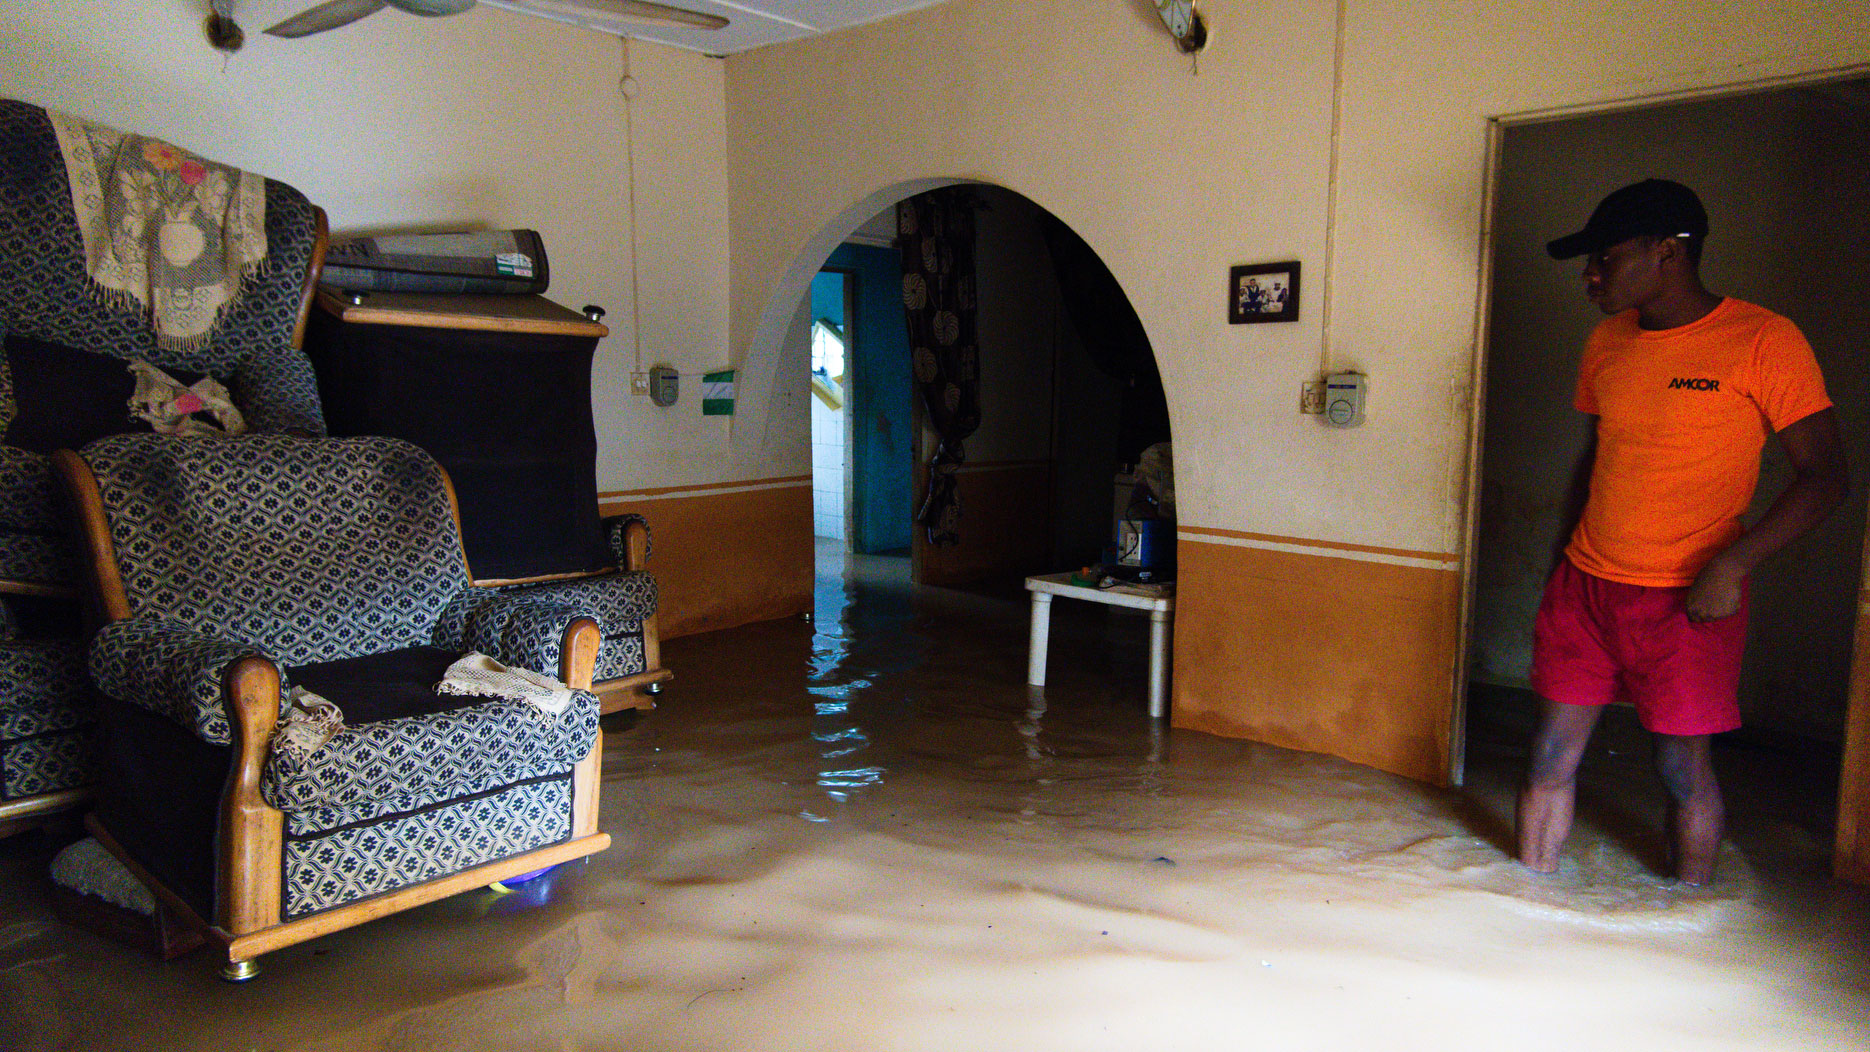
(1596, 641)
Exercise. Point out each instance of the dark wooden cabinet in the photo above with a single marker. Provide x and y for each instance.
(495, 388)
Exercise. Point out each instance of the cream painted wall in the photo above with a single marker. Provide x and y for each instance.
(1173, 176)
(1351, 135)
(1421, 79)
(1105, 127)
(485, 119)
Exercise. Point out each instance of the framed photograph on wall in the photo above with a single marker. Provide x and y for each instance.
(1263, 292)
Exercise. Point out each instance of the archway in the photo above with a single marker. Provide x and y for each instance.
(1062, 415)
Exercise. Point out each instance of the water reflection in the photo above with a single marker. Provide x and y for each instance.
(832, 683)
(528, 891)
(1038, 756)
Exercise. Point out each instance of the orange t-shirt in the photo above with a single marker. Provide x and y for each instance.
(1682, 414)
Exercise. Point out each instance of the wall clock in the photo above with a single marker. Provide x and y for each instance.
(1184, 23)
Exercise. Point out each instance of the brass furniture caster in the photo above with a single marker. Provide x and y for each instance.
(240, 971)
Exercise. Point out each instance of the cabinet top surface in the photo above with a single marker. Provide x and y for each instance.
(534, 314)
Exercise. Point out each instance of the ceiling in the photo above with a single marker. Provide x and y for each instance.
(750, 23)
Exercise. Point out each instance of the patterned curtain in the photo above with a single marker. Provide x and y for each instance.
(935, 233)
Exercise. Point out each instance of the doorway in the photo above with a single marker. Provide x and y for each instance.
(833, 291)
(862, 437)
(1058, 410)
(1782, 173)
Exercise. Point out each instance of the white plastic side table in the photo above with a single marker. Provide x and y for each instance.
(1161, 610)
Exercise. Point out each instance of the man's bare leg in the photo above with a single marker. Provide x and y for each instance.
(1546, 802)
(1696, 811)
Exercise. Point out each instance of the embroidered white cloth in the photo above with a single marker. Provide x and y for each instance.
(170, 408)
(165, 231)
(308, 723)
(482, 676)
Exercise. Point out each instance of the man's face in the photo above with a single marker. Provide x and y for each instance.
(1625, 275)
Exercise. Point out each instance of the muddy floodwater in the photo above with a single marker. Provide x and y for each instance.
(866, 833)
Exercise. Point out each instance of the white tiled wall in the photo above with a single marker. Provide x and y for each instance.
(827, 470)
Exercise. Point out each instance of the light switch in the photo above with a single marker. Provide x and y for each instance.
(1344, 399)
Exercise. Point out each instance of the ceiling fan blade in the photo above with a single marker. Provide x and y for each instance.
(329, 15)
(631, 11)
(432, 8)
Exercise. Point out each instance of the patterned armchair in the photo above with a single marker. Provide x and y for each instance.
(51, 320)
(630, 659)
(513, 426)
(229, 572)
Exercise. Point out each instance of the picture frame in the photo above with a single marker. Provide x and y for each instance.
(1259, 292)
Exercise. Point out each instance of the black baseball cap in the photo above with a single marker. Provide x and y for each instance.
(1654, 207)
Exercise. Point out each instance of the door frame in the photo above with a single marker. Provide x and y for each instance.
(849, 277)
(1851, 853)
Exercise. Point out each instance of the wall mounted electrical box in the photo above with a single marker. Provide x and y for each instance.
(665, 385)
(1344, 399)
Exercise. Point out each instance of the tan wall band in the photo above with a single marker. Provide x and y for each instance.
(1306, 546)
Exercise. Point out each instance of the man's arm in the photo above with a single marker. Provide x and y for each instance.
(1577, 493)
(1820, 483)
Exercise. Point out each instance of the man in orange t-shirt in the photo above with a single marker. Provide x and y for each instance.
(1649, 602)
